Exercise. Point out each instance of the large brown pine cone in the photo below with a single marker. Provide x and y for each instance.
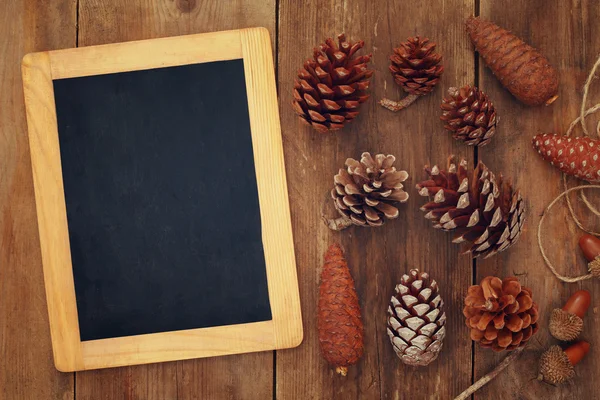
(469, 115)
(501, 313)
(331, 86)
(416, 66)
(484, 210)
(368, 191)
(523, 70)
(416, 319)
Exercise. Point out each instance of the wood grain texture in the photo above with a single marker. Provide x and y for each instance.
(377, 257)
(26, 367)
(572, 46)
(109, 21)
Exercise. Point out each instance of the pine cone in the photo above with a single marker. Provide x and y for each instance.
(578, 157)
(368, 191)
(483, 209)
(501, 313)
(339, 321)
(416, 319)
(416, 66)
(332, 85)
(469, 115)
(523, 70)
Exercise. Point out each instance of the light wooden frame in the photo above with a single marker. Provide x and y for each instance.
(254, 47)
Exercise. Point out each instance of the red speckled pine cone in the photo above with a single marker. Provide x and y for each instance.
(339, 321)
(578, 157)
(501, 313)
(332, 85)
(523, 70)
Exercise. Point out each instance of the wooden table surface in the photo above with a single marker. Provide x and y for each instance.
(567, 32)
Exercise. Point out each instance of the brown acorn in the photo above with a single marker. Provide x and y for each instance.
(590, 245)
(556, 364)
(567, 323)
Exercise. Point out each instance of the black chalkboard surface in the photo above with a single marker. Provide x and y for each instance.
(161, 200)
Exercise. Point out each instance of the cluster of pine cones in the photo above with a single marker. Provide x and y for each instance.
(481, 208)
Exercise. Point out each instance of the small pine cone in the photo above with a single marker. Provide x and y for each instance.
(578, 157)
(501, 313)
(416, 319)
(523, 70)
(416, 66)
(339, 321)
(484, 210)
(469, 115)
(331, 86)
(367, 192)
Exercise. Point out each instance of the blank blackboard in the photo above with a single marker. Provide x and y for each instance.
(161, 200)
(161, 197)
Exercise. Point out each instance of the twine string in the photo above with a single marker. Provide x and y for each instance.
(583, 112)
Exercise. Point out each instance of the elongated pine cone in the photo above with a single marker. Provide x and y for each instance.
(416, 319)
(501, 313)
(331, 86)
(578, 157)
(523, 70)
(339, 321)
(469, 115)
(416, 66)
(484, 210)
(367, 192)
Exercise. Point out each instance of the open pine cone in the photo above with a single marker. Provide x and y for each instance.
(367, 193)
(416, 319)
(331, 86)
(501, 313)
(416, 66)
(482, 209)
(469, 115)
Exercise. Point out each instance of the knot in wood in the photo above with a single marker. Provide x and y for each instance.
(185, 6)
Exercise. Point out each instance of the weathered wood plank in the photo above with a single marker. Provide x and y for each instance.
(377, 257)
(106, 21)
(26, 365)
(565, 32)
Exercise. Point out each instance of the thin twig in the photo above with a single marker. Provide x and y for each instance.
(400, 104)
(491, 375)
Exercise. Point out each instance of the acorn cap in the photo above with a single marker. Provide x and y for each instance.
(555, 367)
(564, 325)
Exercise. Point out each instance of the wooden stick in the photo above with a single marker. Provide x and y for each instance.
(400, 104)
(491, 375)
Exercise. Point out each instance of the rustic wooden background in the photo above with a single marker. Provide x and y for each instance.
(566, 31)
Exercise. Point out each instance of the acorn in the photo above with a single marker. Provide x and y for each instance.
(567, 323)
(590, 245)
(556, 364)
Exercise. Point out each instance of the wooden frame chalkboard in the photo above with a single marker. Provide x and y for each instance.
(40, 70)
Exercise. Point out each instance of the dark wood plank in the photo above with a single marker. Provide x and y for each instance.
(377, 257)
(565, 32)
(26, 365)
(249, 375)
